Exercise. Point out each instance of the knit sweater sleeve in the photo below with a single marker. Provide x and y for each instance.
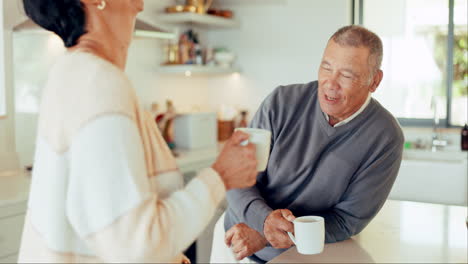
(248, 204)
(365, 195)
(110, 203)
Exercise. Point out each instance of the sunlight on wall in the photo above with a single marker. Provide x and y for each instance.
(32, 66)
(34, 54)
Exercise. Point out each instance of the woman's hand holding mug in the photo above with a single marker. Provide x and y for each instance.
(237, 164)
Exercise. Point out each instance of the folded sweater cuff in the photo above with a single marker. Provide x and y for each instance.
(215, 184)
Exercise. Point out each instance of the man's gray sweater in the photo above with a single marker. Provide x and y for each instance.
(343, 173)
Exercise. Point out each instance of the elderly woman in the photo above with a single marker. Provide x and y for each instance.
(105, 187)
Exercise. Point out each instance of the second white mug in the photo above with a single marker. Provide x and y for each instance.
(309, 234)
(262, 140)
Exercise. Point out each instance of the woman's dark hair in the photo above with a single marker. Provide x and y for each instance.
(66, 18)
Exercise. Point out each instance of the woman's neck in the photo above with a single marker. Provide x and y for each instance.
(115, 54)
(105, 41)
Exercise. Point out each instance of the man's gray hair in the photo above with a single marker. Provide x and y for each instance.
(357, 36)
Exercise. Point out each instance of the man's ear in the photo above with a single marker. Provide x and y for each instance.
(378, 76)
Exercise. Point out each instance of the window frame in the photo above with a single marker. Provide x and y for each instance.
(3, 88)
(357, 17)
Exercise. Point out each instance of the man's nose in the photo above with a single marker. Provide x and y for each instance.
(332, 82)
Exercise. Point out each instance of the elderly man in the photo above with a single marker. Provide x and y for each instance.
(335, 153)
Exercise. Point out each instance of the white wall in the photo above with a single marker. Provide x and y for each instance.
(31, 66)
(30, 61)
(8, 15)
(145, 56)
(279, 42)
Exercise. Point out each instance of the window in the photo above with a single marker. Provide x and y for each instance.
(459, 102)
(425, 58)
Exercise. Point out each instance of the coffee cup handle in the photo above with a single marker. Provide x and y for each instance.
(244, 143)
(291, 236)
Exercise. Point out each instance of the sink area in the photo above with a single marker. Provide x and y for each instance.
(440, 155)
(432, 177)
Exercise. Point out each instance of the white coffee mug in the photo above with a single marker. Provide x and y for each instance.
(309, 234)
(261, 138)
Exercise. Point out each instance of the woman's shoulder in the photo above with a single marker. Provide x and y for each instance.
(85, 69)
(82, 87)
(85, 77)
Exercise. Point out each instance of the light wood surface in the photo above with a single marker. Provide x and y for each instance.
(402, 232)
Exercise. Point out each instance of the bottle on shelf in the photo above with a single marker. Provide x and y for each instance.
(172, 53)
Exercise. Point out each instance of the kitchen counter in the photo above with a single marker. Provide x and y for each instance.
(14, 187)
(197, 159)
(402, 232)
(14, 192)
(448, 155)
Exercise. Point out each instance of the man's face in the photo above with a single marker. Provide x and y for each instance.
(344, 80)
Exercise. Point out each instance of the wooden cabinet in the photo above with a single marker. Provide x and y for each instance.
(11, 229)
(10, 259)
(14, 190)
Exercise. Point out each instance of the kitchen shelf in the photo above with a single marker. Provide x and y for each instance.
(189, 70)
(198, 19)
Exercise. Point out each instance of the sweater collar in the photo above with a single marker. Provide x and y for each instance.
(367, 109)
(351, 117)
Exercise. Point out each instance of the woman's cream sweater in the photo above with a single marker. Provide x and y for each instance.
(105, 187)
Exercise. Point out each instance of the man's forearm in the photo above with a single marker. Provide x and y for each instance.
(249, 207)
(338, 227)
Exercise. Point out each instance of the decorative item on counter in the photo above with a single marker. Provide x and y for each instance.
(226, 124)
(419, 144)
(408, 145)
(243, 119)
(165, 123)
(225, 129)
(154, 111)
(464, 138)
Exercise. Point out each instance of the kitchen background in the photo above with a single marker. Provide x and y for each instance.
(275, 42)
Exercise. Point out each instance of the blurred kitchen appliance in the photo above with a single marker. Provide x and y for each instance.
(195, 130)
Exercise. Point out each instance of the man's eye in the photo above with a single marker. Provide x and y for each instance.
(326, 68)
(347, 76)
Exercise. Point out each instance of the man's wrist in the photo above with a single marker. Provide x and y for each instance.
(263, 213)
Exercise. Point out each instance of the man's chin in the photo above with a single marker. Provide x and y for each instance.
(327, 109)
(330, 112)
